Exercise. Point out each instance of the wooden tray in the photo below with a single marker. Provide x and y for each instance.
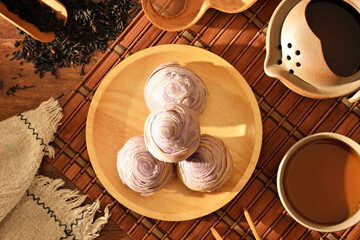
(118, 112)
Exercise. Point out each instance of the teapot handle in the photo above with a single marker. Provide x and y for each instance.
(355, 98)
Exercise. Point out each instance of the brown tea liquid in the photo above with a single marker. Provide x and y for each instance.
(337, 25)
(322, 181)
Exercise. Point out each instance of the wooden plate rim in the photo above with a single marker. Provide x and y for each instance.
(92, 153)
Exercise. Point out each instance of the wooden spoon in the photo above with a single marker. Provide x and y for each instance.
(31, 29)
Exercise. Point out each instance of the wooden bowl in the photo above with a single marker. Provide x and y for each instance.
(190, 11)
(118, 112)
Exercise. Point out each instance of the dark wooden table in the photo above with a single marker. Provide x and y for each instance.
(22, 73)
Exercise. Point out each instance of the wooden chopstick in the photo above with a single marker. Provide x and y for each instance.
(215, 234)
(251, 224)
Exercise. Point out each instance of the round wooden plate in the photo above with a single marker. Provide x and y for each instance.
(118, 112)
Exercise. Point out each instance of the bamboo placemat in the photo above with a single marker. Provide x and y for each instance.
(286, 116)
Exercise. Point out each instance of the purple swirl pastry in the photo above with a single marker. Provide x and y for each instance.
(172, 132)
(208, 168)
(173, 83)
(139, 170)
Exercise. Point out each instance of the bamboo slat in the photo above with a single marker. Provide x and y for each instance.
(286, 116)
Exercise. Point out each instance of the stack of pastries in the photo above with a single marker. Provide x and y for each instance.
(175, 95)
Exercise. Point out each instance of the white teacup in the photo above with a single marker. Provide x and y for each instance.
(348, 222)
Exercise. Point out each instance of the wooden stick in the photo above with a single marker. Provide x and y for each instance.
(251, 224)
(215, 234)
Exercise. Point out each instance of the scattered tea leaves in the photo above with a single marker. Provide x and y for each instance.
(11, 91)
(90, 26)
(60, 96)
(82, 70)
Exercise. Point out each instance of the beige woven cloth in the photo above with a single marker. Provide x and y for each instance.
(34, 207)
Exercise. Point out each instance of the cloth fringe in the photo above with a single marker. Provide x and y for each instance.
(66, 205)
(51, 111)
(24, 141)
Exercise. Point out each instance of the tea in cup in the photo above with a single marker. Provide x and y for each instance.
(319, 182)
